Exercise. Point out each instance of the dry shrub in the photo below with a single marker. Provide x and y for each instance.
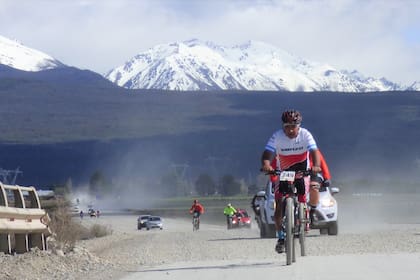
(100, 230)
(65, 231)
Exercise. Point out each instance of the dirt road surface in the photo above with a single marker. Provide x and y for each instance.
(382, 251)
(373, 251)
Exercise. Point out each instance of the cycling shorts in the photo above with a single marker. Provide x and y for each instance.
(302, 184)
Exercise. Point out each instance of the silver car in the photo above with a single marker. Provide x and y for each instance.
(154, 222)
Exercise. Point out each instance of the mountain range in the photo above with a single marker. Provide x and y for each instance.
(195, 65)
(255, 66)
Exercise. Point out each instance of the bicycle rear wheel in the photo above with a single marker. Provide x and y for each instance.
(302, 224)
(195, 224)
(289, 231)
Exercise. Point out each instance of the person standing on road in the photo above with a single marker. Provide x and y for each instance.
(291, 146)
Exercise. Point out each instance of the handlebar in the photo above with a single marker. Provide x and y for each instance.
(277, 172)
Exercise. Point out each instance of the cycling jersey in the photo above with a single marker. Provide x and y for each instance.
(197, 208)
(229, 211)
(325, 171)
(291, 151)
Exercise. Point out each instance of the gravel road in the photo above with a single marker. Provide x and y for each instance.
(381, 245)
(379, 251)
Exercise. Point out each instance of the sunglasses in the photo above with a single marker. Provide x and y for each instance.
(292, 126)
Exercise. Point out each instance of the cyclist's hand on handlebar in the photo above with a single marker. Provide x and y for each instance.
(267, 166)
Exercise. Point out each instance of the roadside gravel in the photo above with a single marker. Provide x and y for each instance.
(128, 249)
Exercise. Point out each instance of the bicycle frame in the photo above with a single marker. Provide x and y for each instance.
(196, 222)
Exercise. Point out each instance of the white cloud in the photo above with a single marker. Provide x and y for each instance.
(377, 37)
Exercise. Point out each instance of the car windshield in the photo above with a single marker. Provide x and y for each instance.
(154, 219)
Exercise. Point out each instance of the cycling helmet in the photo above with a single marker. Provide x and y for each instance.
(229, 205)
(291, 117)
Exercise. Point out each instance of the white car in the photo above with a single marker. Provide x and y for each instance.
(154, 222)
(326, 214)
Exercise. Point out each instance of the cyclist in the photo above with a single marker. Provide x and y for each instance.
(229, 211)
(197, 209)
(291, 147)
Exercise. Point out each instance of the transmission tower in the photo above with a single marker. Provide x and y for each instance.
(180, 170)
(6, 174)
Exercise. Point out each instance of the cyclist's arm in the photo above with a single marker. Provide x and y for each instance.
(266, 159)
(316, 160)
(325, 170)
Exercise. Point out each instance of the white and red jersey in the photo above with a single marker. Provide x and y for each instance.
(291, 151)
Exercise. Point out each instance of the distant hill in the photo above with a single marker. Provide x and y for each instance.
(56, 135)
(57, 78)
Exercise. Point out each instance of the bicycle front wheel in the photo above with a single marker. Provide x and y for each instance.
(289, 230)
(302, 225)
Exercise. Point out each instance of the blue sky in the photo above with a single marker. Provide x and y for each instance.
(380, 38)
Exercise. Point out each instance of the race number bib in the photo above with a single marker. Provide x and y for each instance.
(287, 176)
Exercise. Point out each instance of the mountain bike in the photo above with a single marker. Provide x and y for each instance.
(294, 213)
(195, 221)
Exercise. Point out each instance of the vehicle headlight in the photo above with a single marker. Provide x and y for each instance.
(328, 202)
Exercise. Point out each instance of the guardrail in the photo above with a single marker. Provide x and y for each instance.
(23, 224)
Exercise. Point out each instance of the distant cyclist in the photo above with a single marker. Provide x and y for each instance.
(229, 211)
(197, 209)
(290, 146)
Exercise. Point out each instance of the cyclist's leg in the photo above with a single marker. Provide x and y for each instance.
(278, 217)
(301, 189)
(315, 184)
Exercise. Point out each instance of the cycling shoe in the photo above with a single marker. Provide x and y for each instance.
(280, 246)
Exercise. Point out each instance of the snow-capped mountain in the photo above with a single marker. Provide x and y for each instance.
(18, 56)
(415, 86)
(196, 65)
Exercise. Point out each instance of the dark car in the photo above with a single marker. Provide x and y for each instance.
(141, 221)
(92, 212)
